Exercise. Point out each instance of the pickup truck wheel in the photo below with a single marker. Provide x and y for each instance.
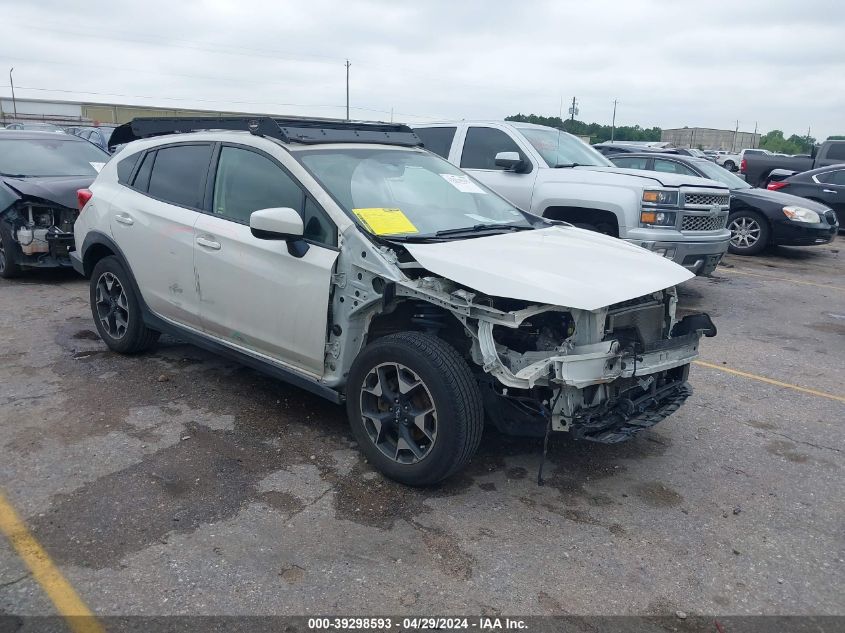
(116, 309)
(414, 407)
(729, 165)
(9, 267)
(749, 233)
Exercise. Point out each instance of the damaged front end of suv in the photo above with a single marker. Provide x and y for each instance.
(600, 373)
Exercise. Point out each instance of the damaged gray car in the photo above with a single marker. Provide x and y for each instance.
(345, 259)
(40, 173)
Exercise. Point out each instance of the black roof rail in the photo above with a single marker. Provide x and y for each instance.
(288, 129)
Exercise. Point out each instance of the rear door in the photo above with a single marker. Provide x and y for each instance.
(832, 191)
(478, 157)
(255, 294)
(153, 224)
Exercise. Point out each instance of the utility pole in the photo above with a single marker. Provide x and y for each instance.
(613, 124)
(754, 138)
(12, 82)
(347, 89)
(809, 146)
(736, 131)
(573, 110)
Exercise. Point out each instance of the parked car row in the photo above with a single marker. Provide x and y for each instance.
(349, 260)
(96, 134)
(758, 217)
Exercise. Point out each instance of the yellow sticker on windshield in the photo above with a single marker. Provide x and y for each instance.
(385, 221)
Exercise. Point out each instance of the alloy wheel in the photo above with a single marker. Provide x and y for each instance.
(745, 232)
(398, 413)
(112, 305)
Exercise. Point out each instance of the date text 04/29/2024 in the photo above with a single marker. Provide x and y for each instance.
(416, 623)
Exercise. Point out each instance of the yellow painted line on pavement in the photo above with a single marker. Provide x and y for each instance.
(794, 281)
(78, 616)
(776, 383)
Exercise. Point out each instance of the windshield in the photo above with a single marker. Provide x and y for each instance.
(714, 172)
(408, 192)
(560, 149)
(49, 157)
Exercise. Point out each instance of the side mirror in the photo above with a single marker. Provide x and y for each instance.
(511, 161)
(281, 223)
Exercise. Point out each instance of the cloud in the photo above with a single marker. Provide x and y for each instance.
(669, 63)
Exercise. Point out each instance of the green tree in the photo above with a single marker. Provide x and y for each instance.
(596, 131)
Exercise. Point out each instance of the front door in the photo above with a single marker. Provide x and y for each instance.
(254, 294)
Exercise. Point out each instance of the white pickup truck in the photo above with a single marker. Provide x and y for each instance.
(556, 175)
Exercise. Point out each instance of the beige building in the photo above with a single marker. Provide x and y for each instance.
(66, 113)
(710, 138)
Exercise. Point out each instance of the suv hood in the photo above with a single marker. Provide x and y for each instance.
(659, 178)
(559, 265)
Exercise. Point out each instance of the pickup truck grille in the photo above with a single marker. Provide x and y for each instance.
(706, 199)
(703, 222)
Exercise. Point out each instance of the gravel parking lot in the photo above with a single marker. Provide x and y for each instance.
(180, 483)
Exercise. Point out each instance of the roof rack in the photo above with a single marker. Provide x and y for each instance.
(288, 130)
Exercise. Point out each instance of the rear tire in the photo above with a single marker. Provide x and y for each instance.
(750, 232)
(729, 165)
(414, 407)
(9, 267)
(117, 309)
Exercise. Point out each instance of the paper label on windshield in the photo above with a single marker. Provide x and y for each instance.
(97, 166)
(385, 221)
(462, 183)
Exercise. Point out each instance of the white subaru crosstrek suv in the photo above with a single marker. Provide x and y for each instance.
(347, 260)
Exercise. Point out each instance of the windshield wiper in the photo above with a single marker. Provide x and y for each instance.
(482, 227)
(562, 165)
(14, 175)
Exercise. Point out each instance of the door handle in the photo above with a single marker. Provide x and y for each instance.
(207, 243)
(124, 219)
(828, 191)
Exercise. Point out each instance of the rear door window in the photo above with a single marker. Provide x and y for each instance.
(437, 139)
(179, 175)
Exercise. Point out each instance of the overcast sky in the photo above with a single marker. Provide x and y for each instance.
(671, 63)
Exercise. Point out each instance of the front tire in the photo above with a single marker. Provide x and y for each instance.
(414, 407)
(9, 267)
(749, 233)
(117, 309)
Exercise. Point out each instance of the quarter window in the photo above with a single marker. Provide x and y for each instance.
(125, 167)
(247, 181)
(142, 178)
(179, 174)
(437, 139)
(481, 146)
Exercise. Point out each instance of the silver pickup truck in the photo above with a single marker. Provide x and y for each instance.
(555, 175)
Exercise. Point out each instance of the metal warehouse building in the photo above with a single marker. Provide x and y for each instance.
(710, 138)
(64, 113)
